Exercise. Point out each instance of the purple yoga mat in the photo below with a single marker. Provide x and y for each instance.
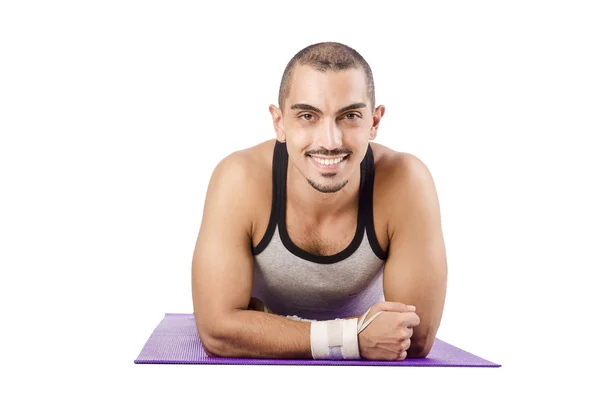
(175, 341)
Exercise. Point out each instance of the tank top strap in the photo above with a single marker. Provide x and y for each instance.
(279, 167)
(367, 208)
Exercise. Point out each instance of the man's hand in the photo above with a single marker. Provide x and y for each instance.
(388, 336)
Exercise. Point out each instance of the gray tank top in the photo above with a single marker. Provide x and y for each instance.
(291, 281)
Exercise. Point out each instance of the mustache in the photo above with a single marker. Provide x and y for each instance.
(332, 153)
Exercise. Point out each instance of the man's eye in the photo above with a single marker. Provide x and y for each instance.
(352, 116)
(306, 116)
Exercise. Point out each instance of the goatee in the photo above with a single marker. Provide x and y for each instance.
(327, 188)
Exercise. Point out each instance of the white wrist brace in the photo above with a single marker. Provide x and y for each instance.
(334, 339)
(337, 339)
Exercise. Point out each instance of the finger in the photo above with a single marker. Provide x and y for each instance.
(405, 344)
(410, 320)
(393, 351)
(395, 307)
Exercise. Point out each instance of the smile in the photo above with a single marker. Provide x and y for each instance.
(329, 162)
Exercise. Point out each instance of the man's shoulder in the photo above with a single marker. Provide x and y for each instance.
(247, 169)
(395, 169)
(404, 179)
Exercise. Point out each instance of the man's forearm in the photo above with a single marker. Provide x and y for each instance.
(259, 334)
(254, 334)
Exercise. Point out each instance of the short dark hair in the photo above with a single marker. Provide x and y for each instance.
(327, 56)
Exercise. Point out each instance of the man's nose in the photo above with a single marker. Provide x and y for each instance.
(330, 136)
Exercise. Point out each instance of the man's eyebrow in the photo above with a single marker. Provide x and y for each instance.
(358, 105)
(304, 106)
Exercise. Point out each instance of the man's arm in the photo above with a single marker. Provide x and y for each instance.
(416, 270)
(222, 276)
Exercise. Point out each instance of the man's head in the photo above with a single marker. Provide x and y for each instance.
(327, 56)
(327, 113)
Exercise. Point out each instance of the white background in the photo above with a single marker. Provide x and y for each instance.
(114, 113)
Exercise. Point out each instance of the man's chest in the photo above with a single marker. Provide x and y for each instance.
(321, 238)
(327, 237)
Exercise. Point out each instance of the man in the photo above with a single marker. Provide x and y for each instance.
(320, 244)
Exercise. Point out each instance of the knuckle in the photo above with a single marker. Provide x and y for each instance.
(405, 333)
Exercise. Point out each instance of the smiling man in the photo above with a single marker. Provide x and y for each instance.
(321, 243)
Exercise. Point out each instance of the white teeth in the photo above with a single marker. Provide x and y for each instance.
(328, 161)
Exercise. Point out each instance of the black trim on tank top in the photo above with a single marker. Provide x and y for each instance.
(278, 159)
(278, 213)
(299, 252)
(368, 207)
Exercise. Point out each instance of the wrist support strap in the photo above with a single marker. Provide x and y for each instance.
(362, 325)
(336, 339)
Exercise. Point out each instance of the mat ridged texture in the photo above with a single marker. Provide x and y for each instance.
(175, 341)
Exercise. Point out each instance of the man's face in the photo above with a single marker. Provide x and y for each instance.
(327, 123)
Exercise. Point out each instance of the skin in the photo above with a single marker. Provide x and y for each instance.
(327, 115)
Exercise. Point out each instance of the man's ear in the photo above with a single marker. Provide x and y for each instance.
(377, 115)
(277, 116)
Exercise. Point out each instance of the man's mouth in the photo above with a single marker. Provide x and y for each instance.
(328, 162)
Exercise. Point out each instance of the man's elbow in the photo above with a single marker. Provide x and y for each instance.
(214, 348)
(213, 339)
(418, 352)
(420, 348)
